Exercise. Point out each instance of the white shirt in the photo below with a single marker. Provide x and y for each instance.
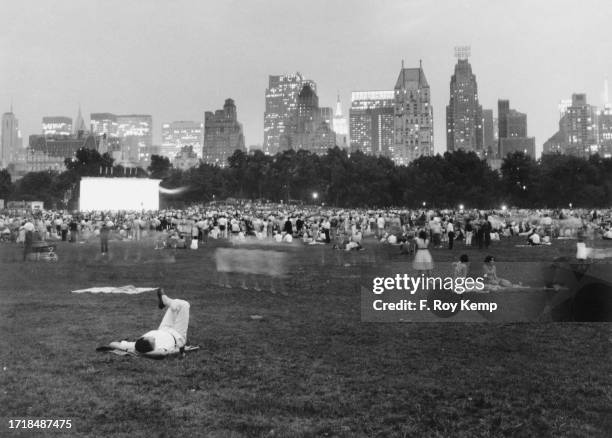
(165, 340)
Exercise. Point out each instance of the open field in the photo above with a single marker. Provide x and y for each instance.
(309, 367)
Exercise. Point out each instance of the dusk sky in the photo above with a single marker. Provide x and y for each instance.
(176, 59)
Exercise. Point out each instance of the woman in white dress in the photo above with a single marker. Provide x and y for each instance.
(422, 259)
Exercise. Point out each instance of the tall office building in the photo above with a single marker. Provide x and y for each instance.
(512, 131)
(604, 130)
(135, 132)
(488, 133)
(10, 139)
(176, 135)
(222, 135)
(281, 108)
(413, 128)
(56, 125)
(578, 129)
(340, 126)
(517, 124)
(311, 128)
(104, 123)
(371, 122)
(464, 113)
(503, 108)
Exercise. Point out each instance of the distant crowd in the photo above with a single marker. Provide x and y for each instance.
(340, 228)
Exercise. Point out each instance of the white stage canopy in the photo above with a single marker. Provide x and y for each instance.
(119, 194)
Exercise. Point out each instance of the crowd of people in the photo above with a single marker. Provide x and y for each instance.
(412, 230)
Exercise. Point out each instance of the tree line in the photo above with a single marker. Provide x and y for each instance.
(343, 180)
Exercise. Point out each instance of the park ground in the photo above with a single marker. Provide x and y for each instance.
(308, 367)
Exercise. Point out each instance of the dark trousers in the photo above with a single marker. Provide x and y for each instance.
(104, 245)
(451, 239)
(480, 239)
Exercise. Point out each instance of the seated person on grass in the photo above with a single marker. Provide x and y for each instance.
(169, 338)
(534, 238)
(490, 273)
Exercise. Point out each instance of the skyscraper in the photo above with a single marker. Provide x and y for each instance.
(413, 123)
(10, 143)
(503, 108)
(578, 129)
(57, 125)
(176, 135)
(464, 113)
(135, 134)
(222, 134)
(371, 122)
(339, 126)
(488, 132)
(104, 123)
(281, 108)
(604, 124)
(311, 129)
(512, 129)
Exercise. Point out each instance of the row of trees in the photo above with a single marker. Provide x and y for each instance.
(358, 180)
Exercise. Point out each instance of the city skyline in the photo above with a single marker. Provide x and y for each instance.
(111, 68)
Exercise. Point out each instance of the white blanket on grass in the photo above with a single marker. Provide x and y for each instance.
(129, 289)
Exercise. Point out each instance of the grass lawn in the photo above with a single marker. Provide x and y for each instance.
(309, 367)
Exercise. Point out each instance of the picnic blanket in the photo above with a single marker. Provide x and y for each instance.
(129, 289)
(115, 349)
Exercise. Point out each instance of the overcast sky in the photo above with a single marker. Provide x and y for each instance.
(177, 59)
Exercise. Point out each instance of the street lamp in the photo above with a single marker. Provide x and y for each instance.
(504, 208)
(570, 205)
(424, 203)
(461, 207)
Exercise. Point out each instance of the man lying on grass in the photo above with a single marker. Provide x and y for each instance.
(171, 336)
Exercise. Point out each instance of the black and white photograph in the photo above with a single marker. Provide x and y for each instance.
(271, 218)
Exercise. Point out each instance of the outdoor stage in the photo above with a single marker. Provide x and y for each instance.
(114, 194)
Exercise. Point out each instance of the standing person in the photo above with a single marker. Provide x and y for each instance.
(326, 226)
(487, 232)
(422, 259)
(299, 226)
(58, 226)
(436, 231)
(222, 222)
(469, 232)
(104, 235)
(380, 223)
(64, 230)
(450, 230)
(288, 227)
(480, 234)
(29, 238)
(74, 227)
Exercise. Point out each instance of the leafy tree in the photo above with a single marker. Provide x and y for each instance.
(160, 167)
(6, 186)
